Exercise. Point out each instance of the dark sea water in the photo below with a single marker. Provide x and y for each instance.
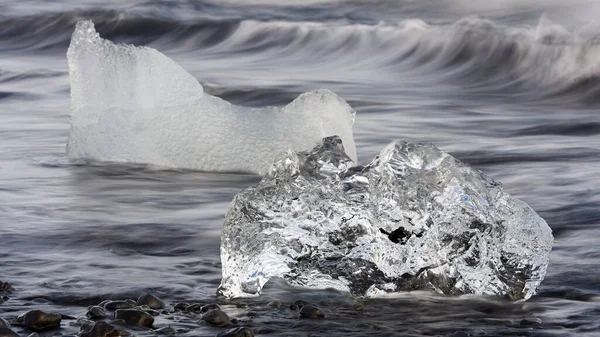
(510, 87)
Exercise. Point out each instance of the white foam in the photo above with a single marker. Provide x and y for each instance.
(135, 105)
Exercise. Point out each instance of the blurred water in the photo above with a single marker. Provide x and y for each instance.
(511, 87)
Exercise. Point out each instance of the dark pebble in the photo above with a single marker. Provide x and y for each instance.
(359, 307)
(85, 324)
(209, 307)
(252, 314)
(236, 332)
(3, 299)
(152, 312)
(274, 304)
(216, 317)
(38, 320)
(302, 303)
(152, 301)
(166, 330)
(293, 307)
(5, 286)
(7, 332)
(101, 304)
(532, 321)
(195, 307)
(131, 302)
(311, 311)
(95, 312)
(180, 307)
(101, 329)
(136, 317)
(241, 305)
(4, 323)
(116, 305)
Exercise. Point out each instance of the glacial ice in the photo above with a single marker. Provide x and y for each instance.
(135, 105)
(414, 218)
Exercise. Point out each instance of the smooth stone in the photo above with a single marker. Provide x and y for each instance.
(101, 329)
(253, 314)
(7, 332)
(293, 307)
(195, 307)
(152, 301)
(216, 317)
(131, 302)
(101, 304)
(5, 286)
(116, 305)
(85, 324)
(274, 304)
(136, 317)
(209, 307)
(180, 307)
(4, 323)
(152, 312)
(3, 299)
(165, 330)
(95, 312)
(302, 303)
(236, 332)
(38, 320)
(311, 311)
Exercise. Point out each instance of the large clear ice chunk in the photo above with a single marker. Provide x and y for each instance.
(135, 105)
(414, 218)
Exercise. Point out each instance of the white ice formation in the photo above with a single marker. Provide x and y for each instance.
(135, 105)
(414, 218)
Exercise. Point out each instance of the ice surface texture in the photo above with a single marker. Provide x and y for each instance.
(134, 104)
(414, 218)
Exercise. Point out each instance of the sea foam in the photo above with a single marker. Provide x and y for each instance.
(135, 105)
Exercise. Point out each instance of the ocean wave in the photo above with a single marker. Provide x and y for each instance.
(544, 61)
(53, 30)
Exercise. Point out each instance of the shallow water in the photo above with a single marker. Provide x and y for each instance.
(513, 88)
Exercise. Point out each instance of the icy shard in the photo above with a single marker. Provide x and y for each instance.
(135, 105)
(414, 218)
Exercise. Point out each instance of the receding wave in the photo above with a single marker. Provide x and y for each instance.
(544, 61)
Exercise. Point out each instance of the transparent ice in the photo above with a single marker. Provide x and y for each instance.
(135, 105)
(414, 218)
